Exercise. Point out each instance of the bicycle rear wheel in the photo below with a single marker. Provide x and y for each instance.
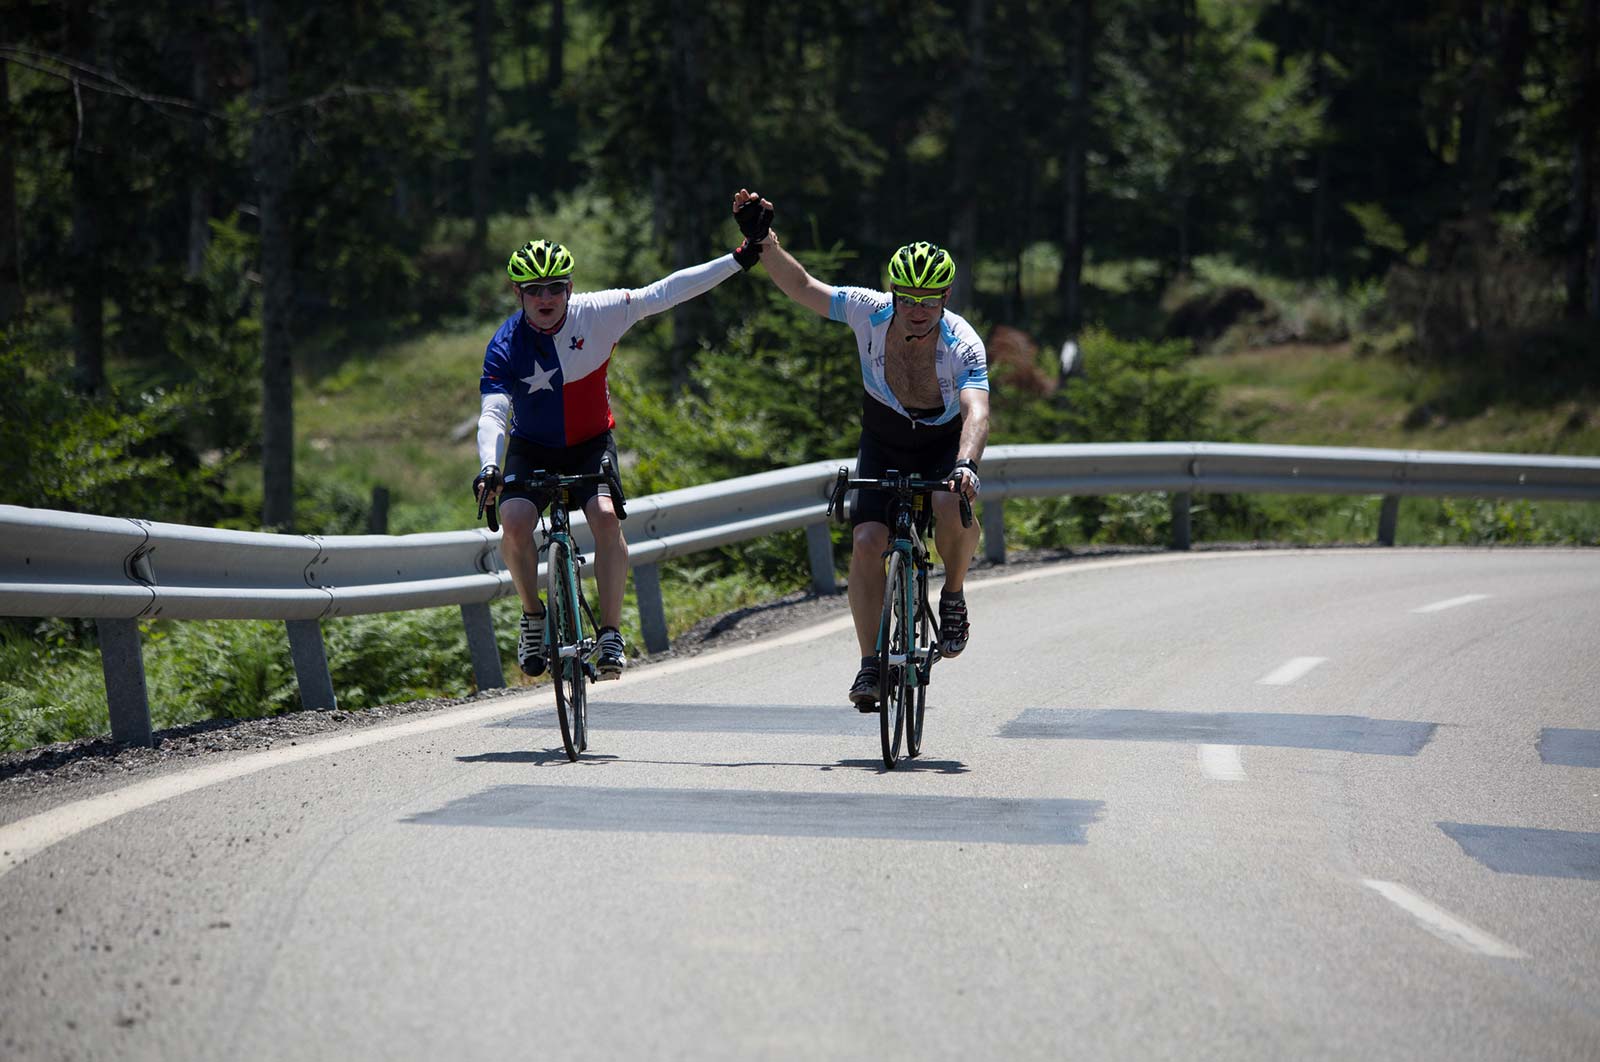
(922, 644)
(566, 662)
(894, 634)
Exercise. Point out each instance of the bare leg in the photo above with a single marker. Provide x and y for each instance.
(867, 579)
(956, 544)
(519, 520)
(610, 558)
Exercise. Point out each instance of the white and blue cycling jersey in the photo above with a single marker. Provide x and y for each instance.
(959, 358)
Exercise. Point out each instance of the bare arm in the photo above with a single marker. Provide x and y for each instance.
(792, 278)
(974, 424)
(974, 437)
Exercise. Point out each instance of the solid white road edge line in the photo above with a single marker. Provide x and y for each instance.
(1442, 923)
(1290, 671)
(1440, 606)
(27, 837)
(1222, 762)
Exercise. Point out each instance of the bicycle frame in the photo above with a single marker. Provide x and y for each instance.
(903, 648)
(560, 533)
(566, 644)
(908, 542)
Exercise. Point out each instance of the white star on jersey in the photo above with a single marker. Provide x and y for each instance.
(540, 380)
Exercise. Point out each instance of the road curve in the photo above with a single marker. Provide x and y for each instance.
(1304, 804)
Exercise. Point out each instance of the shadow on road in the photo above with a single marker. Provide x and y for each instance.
(537, 757)
(885, 816)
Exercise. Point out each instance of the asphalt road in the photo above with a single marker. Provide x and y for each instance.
(1243, 806)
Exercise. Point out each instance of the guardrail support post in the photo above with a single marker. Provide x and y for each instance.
(652, 614)
(122, 662)
(479, 622)
(1388, 519)
(819, 547)
(310, 664)
(993, 519)
(1180, 520)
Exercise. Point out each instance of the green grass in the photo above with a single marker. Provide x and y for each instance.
(389, 421)
(1330, 396)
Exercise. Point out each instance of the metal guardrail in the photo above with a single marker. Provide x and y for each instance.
(120, 571)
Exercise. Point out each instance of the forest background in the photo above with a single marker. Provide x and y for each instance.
(250, 253)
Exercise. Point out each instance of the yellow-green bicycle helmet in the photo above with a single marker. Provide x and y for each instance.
(539, 260)
(922, 265)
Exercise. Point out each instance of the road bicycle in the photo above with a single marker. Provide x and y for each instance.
(906, 652)
(568, 644)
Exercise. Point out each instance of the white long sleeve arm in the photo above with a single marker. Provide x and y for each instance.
(492, 429)
(681, 286)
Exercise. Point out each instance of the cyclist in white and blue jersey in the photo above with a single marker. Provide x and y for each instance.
(924, 410)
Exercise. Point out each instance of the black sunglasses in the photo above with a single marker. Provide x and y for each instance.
(551, 288)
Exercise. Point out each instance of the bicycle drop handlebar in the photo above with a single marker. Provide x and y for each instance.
(552, 481)
(902, 486)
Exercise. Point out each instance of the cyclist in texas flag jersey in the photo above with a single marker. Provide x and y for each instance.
(924, 410)
(545, 372)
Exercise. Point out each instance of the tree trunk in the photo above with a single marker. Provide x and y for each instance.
(1594, 273)
(556, 72)
(1069, 283)
(1581, 208)
(968, 143)
(1508, 28)
(1320, 197)
(687, 223)
(522, 24)
(199, 144)
(11, 300)
(1186, 149)
(484, 10)
(271, 150)
(88, 281)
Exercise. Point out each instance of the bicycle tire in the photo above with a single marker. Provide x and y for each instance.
(924, 671)
(893, 635)
(566, 669)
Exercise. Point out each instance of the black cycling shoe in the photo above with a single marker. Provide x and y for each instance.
(530, 645)
(953, 625)
(866, 689)
(612, 655)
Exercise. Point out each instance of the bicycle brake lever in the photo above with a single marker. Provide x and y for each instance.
(836, 499)
(488, 507)
(614, 485)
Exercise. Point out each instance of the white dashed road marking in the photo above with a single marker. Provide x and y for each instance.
(1442, 923)
(1222, 762)
(1291, 671)
(1440, 606)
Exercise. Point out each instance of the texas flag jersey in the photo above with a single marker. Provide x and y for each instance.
(554, 384)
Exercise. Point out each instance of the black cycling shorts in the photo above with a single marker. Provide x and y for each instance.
(523, 457)
(891, 442)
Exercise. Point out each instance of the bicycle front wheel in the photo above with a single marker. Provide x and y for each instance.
(566, 660)
(922, 644)
(894, 635)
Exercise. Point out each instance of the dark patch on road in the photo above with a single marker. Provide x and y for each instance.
(1522, 850)
(775, 814)
(1570, 748)
(1338, 733)
(711, 718)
